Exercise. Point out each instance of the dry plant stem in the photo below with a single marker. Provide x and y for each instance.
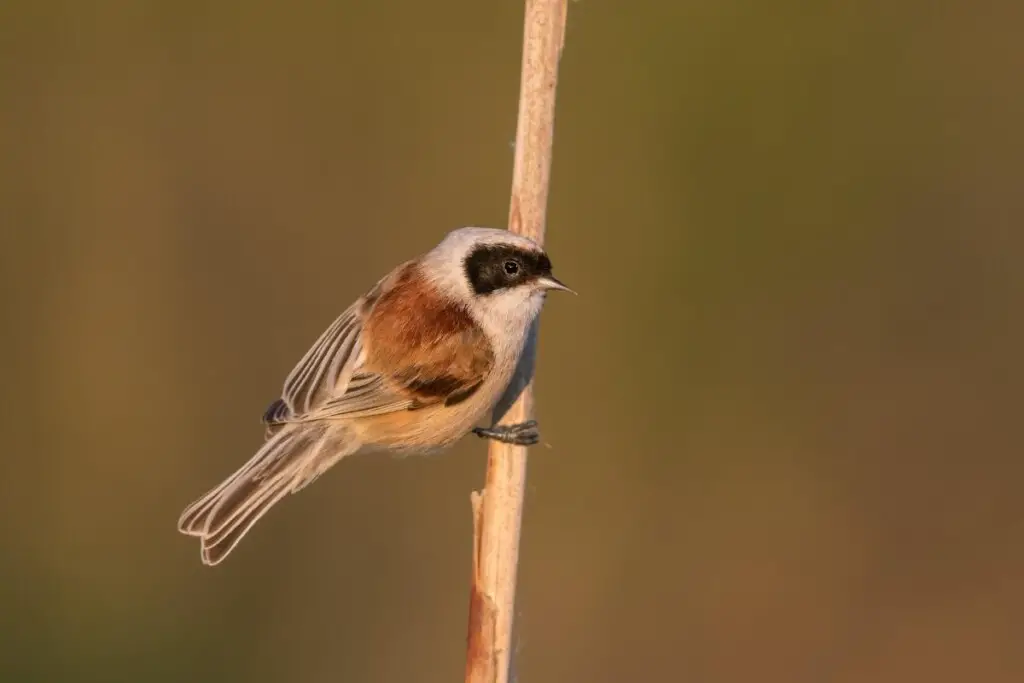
(497, 510)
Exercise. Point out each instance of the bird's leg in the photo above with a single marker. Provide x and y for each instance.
(525, 434)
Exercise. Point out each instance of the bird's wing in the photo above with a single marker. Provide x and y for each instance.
(369, 393)
(332, 380)
(326, 369)
(415, 387)
(329, 367)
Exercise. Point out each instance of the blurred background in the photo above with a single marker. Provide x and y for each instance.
(782, 417)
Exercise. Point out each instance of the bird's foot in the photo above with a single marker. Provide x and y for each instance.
(525, 434)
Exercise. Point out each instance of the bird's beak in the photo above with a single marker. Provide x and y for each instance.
(551, 282)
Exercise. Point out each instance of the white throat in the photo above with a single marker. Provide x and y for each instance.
(506, 315)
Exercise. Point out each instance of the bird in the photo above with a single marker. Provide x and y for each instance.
(412, 366)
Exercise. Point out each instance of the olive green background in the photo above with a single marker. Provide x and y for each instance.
(782, 418)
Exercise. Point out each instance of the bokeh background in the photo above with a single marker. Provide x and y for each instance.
(782, 417)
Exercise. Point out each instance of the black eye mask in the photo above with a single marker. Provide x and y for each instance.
(492, 267)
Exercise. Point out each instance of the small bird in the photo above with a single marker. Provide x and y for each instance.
(411, 367)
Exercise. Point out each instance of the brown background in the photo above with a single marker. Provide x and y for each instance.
(782, 416)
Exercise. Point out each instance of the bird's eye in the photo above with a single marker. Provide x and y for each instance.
(511, 267)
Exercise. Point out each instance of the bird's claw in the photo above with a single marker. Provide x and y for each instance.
(524, 434)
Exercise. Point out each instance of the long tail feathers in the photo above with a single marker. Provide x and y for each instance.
(289, 460)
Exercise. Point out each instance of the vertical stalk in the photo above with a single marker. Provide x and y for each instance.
(498, 509)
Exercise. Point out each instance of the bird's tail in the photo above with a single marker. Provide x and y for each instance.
(289, 460)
